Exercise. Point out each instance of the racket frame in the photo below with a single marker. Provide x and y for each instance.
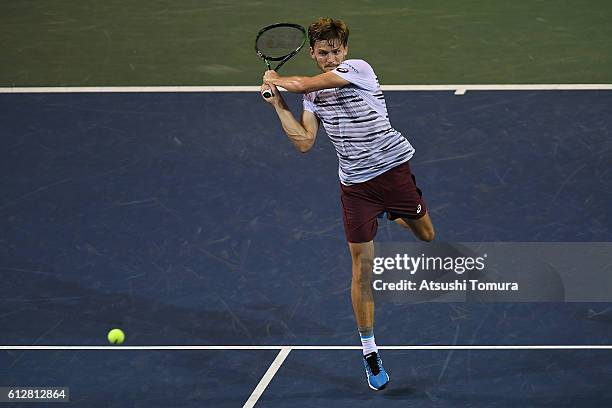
(283, 58)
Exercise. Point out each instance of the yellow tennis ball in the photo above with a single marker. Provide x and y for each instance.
(116, 336)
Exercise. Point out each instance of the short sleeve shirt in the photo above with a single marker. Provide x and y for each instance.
(355, 119)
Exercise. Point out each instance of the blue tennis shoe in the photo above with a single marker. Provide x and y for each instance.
(377, 376)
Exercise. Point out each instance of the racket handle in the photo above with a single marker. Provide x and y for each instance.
(267, 93)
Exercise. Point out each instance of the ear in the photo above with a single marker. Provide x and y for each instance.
(312, 54)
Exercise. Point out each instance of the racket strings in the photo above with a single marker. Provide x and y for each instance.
(279, 42)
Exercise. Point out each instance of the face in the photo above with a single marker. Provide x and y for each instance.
(328, 55)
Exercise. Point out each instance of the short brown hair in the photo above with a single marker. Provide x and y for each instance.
(328, 29)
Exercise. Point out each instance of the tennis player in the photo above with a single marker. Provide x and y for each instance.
(374, 169)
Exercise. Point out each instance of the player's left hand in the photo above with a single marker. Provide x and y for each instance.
(269, 76)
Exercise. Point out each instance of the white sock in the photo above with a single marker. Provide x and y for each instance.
(369, 345)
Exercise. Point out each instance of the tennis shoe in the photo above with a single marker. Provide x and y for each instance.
(377, 376)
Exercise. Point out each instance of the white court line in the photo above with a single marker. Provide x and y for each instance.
(297, 347)
(285, 350)
(458, 89)
(265, 380)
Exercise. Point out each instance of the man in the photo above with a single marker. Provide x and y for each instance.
(374, 173)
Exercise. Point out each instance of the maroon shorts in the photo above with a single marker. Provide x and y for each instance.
(394, 191)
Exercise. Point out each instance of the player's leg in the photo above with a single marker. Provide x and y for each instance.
(362, 256)
(361, 203)
(422, 227)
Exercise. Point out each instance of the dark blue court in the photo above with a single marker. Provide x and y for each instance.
(189, 219)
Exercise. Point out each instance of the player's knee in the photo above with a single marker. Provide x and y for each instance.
(427, 235)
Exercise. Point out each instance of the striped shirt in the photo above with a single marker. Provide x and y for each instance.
(356, 120)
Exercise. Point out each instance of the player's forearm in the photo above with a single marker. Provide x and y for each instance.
(293, 128)
(295, 84)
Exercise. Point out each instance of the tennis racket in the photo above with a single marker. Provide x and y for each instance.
(279, 42)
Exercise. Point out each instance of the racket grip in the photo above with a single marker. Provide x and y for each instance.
(267, 93)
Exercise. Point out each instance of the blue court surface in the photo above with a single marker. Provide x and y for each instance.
(188, 219)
